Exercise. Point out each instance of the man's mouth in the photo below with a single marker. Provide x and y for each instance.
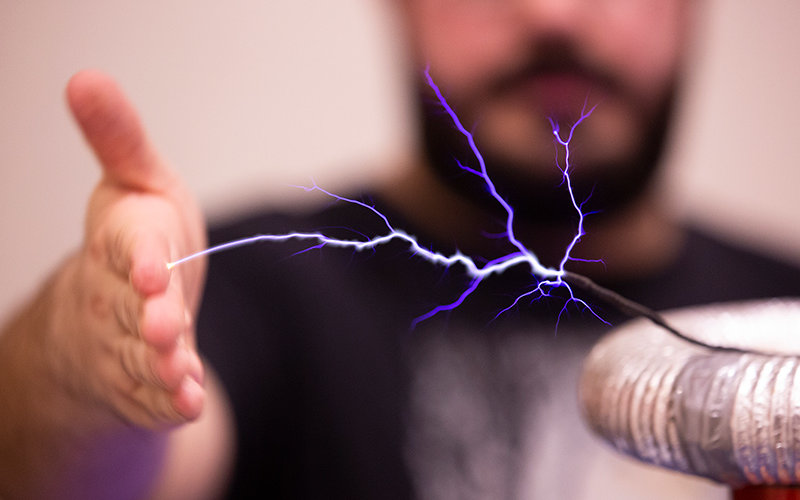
(558, 93)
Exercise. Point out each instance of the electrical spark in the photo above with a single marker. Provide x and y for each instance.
(548, 278)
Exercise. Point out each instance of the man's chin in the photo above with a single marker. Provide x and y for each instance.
(604, 189)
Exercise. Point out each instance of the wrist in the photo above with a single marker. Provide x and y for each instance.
(57, 436)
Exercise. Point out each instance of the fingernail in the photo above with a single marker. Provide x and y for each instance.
(188, 319)
(192, 398)
(196, 369)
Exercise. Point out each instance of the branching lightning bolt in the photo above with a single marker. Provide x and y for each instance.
(547, 278)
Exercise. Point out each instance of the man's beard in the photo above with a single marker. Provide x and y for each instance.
(610, 185)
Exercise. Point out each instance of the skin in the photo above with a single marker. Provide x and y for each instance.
(622, 55)
(103, 391)
(102, 365)
(626, 55)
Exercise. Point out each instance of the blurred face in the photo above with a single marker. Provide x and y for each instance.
(507, 65)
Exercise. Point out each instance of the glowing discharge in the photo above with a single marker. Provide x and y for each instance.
(547, 278)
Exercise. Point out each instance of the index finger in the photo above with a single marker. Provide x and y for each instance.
(148, 264)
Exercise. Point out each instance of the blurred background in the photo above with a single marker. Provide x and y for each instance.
(247, 97)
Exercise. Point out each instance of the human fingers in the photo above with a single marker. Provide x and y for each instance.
(154, 409)
(154, 373)
(147, 264)
(156, 388)
(166, 327)
(142, 318)
(163, 321)
(143, 364)
(132, 237)
(163, 352)
(162, 325)
(112, 127)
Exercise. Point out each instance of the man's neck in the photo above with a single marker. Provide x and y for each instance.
(634, 242)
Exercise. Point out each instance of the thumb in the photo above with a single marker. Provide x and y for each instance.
(112, 127)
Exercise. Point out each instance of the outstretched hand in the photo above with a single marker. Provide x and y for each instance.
(126, 324)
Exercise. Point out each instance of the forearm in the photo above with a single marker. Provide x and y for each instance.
(55, 439)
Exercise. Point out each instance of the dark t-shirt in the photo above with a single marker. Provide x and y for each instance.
(336, 397)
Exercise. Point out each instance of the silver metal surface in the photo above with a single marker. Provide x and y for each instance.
(730, 416)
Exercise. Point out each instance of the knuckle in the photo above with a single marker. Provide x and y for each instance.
(150, 407)
(158, 405)
(147, 408)
(127, 311)
(99, 306)
(117, 246)
(135, 360)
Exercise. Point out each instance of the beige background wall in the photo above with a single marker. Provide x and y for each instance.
(248, 96)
